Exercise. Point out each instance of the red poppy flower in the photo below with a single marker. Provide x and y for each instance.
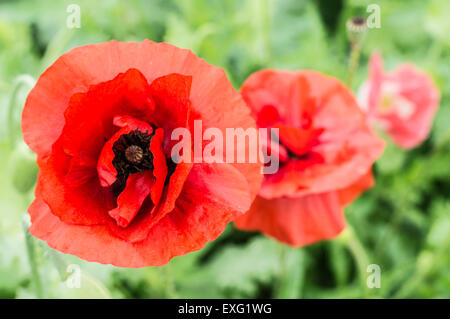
(326, 153)
(100, 120)
(403, 102)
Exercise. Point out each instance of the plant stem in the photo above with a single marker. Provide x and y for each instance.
(266, 25)
(21, 81)
(171, 291)
(360, 255)
(283, 267)
(292, 273)
(31, 252)
(58, 262)
(353, 64)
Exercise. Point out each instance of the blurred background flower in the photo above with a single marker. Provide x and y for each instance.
(403, 103)
(402, 224)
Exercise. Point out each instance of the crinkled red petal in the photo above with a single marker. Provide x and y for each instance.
(296, 221)
(129, 202)
(159, 165)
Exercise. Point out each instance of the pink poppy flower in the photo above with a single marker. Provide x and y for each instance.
(402, 103)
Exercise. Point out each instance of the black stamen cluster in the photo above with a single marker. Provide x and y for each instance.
(126, 165)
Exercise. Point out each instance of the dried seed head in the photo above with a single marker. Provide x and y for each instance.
(356, 28)
(134, 154)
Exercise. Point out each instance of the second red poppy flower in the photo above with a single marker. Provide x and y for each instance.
(326, 151)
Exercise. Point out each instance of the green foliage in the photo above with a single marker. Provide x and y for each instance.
(402, 224)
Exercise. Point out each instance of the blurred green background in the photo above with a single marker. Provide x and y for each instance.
(402, 224)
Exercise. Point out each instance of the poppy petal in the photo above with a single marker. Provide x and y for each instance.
(74, 203)
(159, 165)
(299, 141)
(297, 221)
(349, 194)
(87, 125)
(92, 243)
(171, 237)
(219, 183)
(171, 94)
(129, 202)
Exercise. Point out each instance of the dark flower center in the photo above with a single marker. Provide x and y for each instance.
(131, 155)
(134, 154)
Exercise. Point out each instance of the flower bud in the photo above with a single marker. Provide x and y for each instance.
(23, 168)
(356, 27)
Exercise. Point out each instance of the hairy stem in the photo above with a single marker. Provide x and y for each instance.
(360, 256)
(353, 62)
(31, 252)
